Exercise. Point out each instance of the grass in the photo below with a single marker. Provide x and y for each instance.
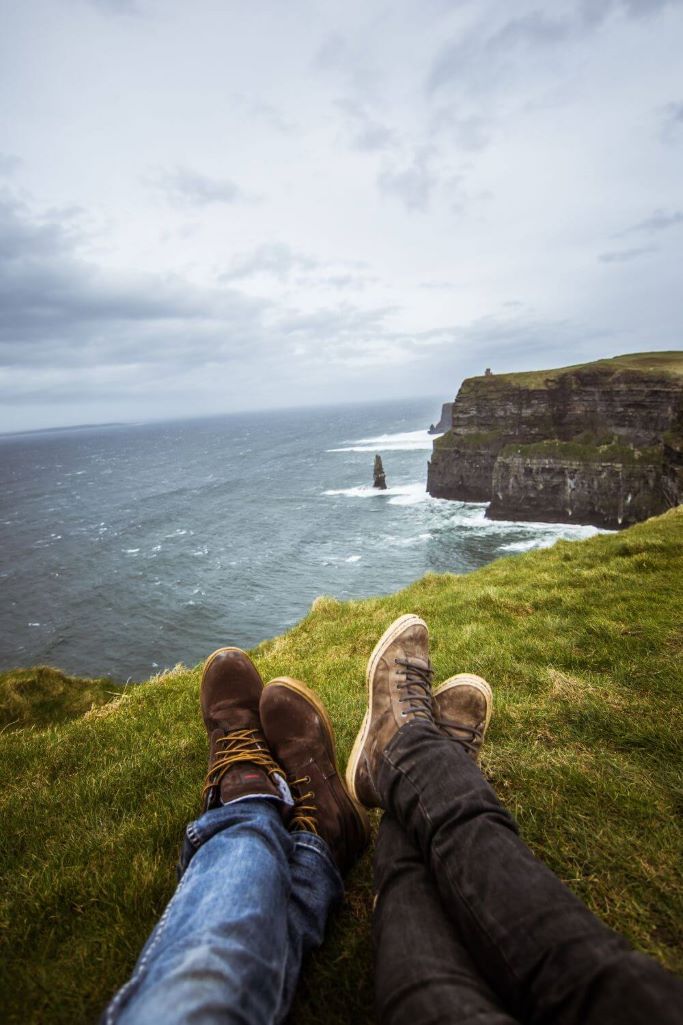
(42, 696)
(472, 440)
(582, 644)
(663, 364)
(583, 452)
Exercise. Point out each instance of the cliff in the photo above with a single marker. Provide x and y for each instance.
(445, 420)
(596, 443)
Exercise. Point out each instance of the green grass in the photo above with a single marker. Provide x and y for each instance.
(472, 440)
(662, 364)
(582, 452)
(42, 696)
(582, 644)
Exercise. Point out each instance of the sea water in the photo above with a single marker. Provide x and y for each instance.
(125, 549)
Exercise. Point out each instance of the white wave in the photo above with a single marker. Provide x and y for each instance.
(34, 624)
(131, 551)
(547, 534)
(362, 491)
(523, 546)
(353, 558)
(406, 542)
(401, 494)
(408, 494)
(406, 441)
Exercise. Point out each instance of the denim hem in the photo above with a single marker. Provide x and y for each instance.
(314, 842)
(215, 820)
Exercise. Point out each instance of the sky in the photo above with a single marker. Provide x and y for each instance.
(246, 204)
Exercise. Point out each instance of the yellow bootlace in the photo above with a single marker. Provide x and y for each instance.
(304, 815)
(240, 746)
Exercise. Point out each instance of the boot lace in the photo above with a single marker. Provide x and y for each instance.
(417, 685)
(305, 812)
(473, 734)
(241, 745)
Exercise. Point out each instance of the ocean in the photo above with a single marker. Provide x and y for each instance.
(125, 549)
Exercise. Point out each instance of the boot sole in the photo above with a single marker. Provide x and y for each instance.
(314, 700)
(471, 680)
(389, 635)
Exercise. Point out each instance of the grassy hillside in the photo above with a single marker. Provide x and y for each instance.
(582, 644)
(42, 696)
(663, 364)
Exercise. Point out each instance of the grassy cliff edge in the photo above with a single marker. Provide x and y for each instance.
(582, 644)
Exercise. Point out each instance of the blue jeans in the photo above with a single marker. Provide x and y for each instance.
(253, 900)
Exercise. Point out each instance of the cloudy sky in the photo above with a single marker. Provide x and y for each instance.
(230, 204)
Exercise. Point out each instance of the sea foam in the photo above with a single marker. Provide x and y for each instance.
(406, 441)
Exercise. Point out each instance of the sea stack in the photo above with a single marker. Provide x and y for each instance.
(380, 480)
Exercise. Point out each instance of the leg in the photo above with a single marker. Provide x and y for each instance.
(316, 887)
(423, 973)
(539, 947)
(327, 826)
(528, 934)
(230, 943)
(219, 950)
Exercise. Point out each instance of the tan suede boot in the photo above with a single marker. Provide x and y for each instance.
(462, 709)
(399, 690)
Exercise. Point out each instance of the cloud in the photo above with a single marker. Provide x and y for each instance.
(625, 255)
(190, 188)
(268, 114)
(125, 7)
(672, 122)
(413, 184)
(284, 263)
(274, 258)
(9, 163)
(481, 57)
(660, 220)
(333, 52)
(59, 310)
(71, 332)
(471, 134)
(478, 58)
(366, 133)
(596, 11)
(533, 29)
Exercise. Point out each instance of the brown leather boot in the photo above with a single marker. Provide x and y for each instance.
(462, 709)
(240, 763)
(300, 735)
(399, 689)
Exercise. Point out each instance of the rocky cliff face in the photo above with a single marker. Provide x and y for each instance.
(596, 444)
(445, 420)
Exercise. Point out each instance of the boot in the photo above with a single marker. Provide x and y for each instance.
(300, 735)
(462, 709)
(399, 678)
(240, 763)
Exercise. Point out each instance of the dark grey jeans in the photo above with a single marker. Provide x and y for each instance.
(470, 927)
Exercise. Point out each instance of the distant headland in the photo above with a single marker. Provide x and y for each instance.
(54, 430)
(598, 443)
